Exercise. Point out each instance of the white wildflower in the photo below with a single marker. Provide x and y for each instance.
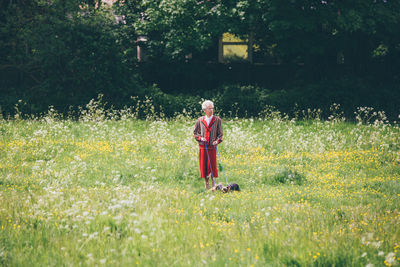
(118, 217)
(390, 258)
(377, 244)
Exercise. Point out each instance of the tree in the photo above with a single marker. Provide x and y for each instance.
(60, 53)
(174, 28)
(313, 32)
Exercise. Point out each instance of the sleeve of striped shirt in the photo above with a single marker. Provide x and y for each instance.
(197, 131)
(220, 134)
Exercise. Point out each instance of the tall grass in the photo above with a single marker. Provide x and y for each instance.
(110, 189)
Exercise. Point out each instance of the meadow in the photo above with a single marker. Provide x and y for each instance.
(120, 191)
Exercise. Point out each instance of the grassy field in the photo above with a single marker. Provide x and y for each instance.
(127, 192)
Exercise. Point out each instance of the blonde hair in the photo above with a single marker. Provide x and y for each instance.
(206, 103)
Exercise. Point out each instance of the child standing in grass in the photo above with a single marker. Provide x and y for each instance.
(208, 133)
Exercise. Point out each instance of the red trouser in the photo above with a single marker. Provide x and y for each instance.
(204, 161)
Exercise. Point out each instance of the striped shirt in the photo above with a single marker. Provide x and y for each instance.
(211, 132)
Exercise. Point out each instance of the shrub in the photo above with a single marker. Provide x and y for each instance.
(241, 101)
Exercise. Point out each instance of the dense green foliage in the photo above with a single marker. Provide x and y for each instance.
(54, 53)
(303, 31)
(64, 53)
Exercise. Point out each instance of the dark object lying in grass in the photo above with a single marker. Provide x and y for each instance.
(226, 189)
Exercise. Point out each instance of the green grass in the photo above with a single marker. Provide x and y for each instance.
(127, 192)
